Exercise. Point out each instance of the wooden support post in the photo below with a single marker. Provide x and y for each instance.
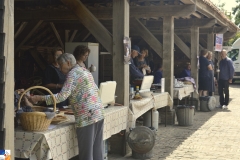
(168, 53)
(91, 23)
(121, 70)
(8, 28)
(194, 54)
(67, 35)
(56, 34)
(142, 31)
(120, 30)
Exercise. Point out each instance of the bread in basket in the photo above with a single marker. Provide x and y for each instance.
(35, 121)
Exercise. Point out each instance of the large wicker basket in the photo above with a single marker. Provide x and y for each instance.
(35, 121)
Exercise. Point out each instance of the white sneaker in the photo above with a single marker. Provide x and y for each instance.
(223, 107)
(226, 107)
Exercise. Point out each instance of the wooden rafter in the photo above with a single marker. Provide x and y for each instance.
(106, 12)
(56, 34)
(91, 23)
(147, 36)
(185, 23)
(86, 36)
(20, 29)
(211, 13)
(73, 35)
(41, 34)
(187, 31)
(182, 46)
(35, 56)
(27, 33)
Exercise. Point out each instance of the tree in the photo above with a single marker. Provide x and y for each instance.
(236, 12)
(221, 6)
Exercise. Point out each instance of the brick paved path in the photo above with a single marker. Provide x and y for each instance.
(214, 135)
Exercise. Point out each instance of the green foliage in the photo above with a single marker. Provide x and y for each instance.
(236, 12)
(221, 7)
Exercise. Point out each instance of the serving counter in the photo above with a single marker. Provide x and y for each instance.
(59, 142)
(139, 107)
(185, 91)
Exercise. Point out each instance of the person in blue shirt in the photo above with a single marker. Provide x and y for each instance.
(186, 72)
(158, 74)
(135, 73)
(204, 78)
(225, 77)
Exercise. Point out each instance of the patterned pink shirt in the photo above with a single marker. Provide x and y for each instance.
(82, 93)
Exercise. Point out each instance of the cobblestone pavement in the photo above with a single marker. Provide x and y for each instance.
(213, 135)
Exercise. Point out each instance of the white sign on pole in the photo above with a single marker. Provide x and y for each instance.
(219, 42)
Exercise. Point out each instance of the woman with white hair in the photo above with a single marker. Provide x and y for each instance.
(211, 75)
(82, 93)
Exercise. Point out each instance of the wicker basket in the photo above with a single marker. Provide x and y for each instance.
(35, 121)
(38, 108)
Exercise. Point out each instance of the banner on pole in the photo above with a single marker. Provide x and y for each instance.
(219, 42)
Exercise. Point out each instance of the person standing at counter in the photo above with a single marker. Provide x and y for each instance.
(82, 92)
(141, 63)
(81, 54)
(158, 74)
(53, 77)
(204, 78)
(135, 73)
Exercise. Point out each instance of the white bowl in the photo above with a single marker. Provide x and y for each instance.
(145, 93)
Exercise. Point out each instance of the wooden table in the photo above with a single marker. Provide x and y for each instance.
(180, 93)
(59, 142)
(183, 93)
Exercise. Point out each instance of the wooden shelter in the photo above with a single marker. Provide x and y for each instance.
(162, 25)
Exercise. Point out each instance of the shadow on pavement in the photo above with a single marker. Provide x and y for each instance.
(171, 137)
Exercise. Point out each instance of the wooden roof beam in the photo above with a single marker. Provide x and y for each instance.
(147, 36)
(56, 34)
(104, 13)
(27, 33)
(20, 29)
(73, 35)
(186, 23)
(211, 13)
(86, 36)
(91, 23)
(196, 15)
(187, 31)
(162, 11)
(228, 35)
(182, 46)
(223, 30)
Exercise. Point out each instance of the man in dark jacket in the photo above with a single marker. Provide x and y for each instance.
(225, 77)
(135, 73)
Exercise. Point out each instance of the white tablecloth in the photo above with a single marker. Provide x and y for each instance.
(115, 120)
(139, 107)
(60, 143)
(180, 93)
